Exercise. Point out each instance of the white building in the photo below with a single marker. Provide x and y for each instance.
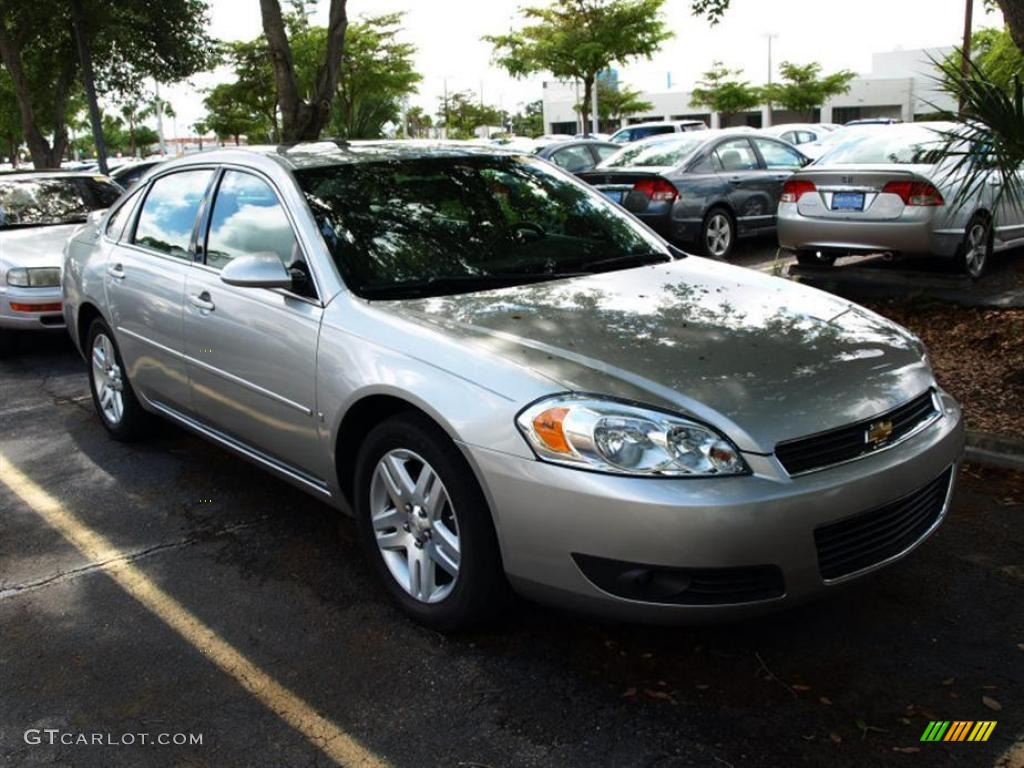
(901, 84)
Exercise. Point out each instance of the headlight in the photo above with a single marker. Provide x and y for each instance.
(37, 277)
(609, 436)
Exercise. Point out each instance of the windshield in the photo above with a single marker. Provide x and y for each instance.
(666, 153)
(889, 145)
(443, 225)
(49, 201)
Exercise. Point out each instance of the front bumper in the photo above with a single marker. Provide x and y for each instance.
(33, 319)
(917, 236)
(547, 516)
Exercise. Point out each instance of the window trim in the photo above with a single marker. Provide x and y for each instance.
(204, 221)
(137, 214)
(128, 199)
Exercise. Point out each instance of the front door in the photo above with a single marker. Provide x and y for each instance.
(749, 189)
(779, 162)
(145, 281)
(251, 352)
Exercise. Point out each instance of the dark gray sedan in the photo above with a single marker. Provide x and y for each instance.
(707, 188)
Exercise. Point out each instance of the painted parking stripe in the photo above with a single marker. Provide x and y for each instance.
(325, 735)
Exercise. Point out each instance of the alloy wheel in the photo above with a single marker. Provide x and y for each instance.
(415, 525)
(718, 235)
(977, 249)
(107, 379)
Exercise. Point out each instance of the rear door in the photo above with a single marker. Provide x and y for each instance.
(145, 284)
(251, 352)
(749, 188)
(780, 162)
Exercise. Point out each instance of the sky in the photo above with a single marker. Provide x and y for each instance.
(446, 33)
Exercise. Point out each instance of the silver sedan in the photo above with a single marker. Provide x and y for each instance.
(509, 381)
(888, 189)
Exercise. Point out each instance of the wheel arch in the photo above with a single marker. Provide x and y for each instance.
(88, 313)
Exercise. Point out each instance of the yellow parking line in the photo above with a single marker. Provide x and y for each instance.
(321, 732)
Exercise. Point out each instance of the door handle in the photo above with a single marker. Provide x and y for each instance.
(116, 271)
(202, 302)
(735, 179)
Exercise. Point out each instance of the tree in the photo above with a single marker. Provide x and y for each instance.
(376, 75)
(580, 38)
(463, 112)
(418, 122)
(201, 127)
(713, 10)
(121, 41)
(10, 120)
(721, 90)
(996, 56)
(229, 116)
(530, 120)
(302, 119)
(803, 90)
(254, 83)
(1013, 15)
(615, 103)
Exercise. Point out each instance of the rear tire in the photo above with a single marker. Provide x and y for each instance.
(8, 343)
(718, 234)
(975, 251)
(812, 259)
(112, 393)
(428, 537)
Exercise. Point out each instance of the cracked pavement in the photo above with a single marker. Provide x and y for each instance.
(842, 682)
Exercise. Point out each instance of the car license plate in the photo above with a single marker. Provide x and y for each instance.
(848, 201)
(615, 195)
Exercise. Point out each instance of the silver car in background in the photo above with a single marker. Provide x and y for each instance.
(887, 189)
(38, 212)
(507, 379)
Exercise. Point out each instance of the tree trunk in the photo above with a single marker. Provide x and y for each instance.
(588, 88)
(40, 150)
(85, 60)
(1013, 15)
(303, 120)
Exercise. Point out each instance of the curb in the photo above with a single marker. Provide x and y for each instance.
(995, 451)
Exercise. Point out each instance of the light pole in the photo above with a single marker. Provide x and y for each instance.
(771, 36)
(965, 62)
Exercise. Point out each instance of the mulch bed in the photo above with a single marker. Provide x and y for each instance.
(978, 356)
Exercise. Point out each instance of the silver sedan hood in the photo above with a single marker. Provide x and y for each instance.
(762, 358)
(34, 246)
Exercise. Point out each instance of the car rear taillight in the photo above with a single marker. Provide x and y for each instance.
(914, 192)
(794, 189)
(656, 189)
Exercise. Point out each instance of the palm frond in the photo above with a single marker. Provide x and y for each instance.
(987, 145)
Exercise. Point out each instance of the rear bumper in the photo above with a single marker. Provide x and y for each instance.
(21, 320)
(918, 237)
(549, 516)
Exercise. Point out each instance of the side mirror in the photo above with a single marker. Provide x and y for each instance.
(258, 270)
(95, 217)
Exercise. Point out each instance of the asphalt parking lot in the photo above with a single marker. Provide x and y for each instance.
(205, 597)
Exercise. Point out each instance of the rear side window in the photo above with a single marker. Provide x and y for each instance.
(119, 218)
(248, 219)
(169, 213)
(603, 153)
(778, 156)
(573, 159)
(735, 155)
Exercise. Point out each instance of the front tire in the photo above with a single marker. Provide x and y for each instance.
(425, 527)
(976, 249)
(718, 234)
(112, 393)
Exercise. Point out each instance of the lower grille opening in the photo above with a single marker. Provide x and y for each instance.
(870, 538)
(683, 586)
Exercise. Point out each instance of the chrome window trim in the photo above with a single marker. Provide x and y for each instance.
(936, 403)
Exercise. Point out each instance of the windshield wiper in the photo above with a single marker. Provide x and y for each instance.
(451, 284)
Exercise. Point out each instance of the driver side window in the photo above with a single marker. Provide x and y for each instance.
(247, 218)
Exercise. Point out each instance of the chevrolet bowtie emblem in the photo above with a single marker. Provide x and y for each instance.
(878, 433)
